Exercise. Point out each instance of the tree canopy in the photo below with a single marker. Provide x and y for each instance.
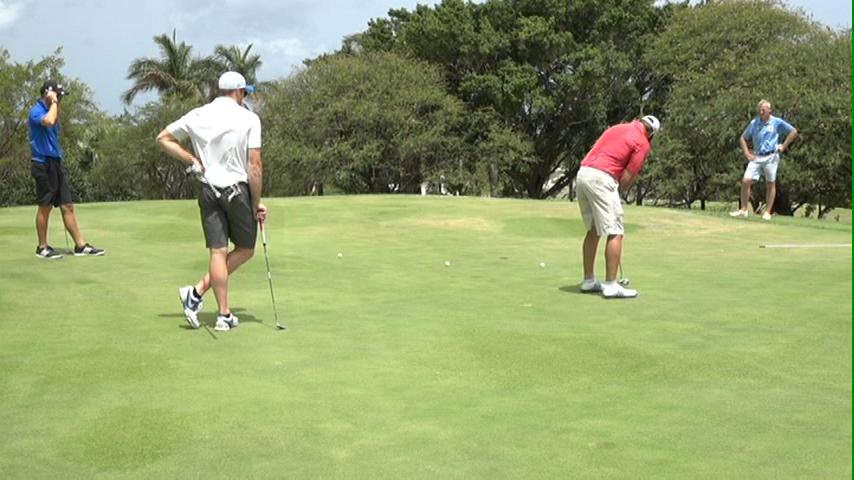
(500, 98)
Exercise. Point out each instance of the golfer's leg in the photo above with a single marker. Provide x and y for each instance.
(745, 194)
(42, 217)
(770, 195)
(69, 218)
(233, 261)
(219, 278)
(591, 243)
(613, 253)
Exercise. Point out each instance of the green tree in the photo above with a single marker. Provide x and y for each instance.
(131, 164)
(362, 123)
(19, 90)
(722, 58)
(175, 73)
(242, 61)
(555, 72)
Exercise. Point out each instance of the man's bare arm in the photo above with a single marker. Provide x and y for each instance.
(52, 116)
(789, 139)
(174, 149)
(746, 149)
(627, 181)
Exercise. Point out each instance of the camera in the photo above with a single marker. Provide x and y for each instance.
(60, 91)
(51, 86)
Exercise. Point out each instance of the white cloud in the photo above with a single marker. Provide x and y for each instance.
(282, 55)
(284, 5)
(9, 13)
(288, 47)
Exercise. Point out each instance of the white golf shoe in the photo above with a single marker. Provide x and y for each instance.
(739, 213)
(766, 216)
(615, 290)
(225, 323)
(590, 285)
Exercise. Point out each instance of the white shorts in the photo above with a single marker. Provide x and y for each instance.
(599, 201)
(766, 165)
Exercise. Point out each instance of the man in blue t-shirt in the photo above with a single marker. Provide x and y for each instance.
(52, 189)
(761, 144)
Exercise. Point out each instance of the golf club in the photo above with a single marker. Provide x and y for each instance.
(624, 281)
(65, 231)
(195, 172)
(270, 276)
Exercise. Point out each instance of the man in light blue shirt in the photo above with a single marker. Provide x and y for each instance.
(761, 144)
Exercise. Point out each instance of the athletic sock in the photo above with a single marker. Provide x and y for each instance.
(196, 294)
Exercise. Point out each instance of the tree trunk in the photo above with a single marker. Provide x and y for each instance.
(822, 212)
(782, 205)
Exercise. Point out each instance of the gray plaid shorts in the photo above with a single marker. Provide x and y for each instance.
(227, 213)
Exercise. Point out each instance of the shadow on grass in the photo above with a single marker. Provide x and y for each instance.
(576, 289)
(572, 289)
(208, 320)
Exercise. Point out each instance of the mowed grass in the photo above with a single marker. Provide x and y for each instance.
(734, 362)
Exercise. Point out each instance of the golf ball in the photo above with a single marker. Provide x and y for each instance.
(542, 264)
(340, 254)
(447, 263)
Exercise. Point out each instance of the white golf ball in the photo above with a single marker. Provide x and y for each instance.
(542, 264)
(447, 263)
(340, 254)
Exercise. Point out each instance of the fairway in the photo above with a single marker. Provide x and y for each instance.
(734, 361)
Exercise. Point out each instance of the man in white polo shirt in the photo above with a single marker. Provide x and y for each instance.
(226, 138)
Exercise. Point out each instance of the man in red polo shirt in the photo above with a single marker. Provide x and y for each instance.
(611, 167)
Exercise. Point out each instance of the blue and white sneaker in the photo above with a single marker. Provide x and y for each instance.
(225, 323)
(191, 304)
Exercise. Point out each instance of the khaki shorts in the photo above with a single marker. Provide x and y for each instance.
(766, 165)
(599, 201)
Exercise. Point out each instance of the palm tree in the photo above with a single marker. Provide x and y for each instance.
(176, 72)
(240, 61)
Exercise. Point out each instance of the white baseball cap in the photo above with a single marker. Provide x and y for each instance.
(234, 81)
(652, 122)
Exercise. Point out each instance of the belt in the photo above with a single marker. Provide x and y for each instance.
(45, 159)
(232, 190)
(765, 154)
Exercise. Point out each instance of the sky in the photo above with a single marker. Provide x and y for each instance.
(100, 38)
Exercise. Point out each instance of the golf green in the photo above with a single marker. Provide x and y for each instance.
(448, 340)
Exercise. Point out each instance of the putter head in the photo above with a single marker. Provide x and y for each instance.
(624, 282)
(279, 326)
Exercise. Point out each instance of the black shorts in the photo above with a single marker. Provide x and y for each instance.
(51, 182)
(229, 216)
